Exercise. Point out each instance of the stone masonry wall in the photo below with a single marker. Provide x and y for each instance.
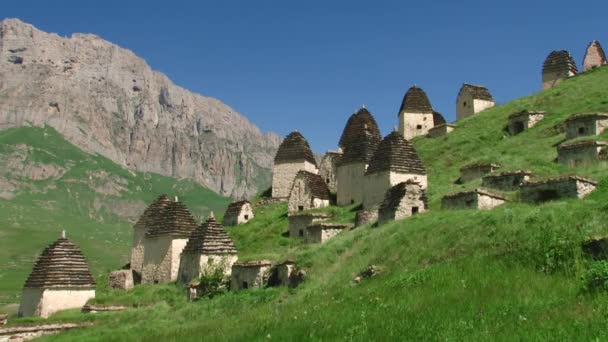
(550, 191)
(376, 184)
(551, 79)
(350, 183)
(137, 251)
(579, 155)
(412, 125)
(509, 182)
(301, 197)
(299, 223)
(255, 277)
(328, 171)
(584, 127)
(45, 302)
(283, 175)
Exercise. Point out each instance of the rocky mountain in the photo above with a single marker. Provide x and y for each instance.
(106, 100)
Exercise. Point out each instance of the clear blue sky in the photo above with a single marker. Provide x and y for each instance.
(307, 65)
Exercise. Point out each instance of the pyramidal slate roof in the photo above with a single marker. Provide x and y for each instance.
(234, 209)
(438, 119)
(395, 194)
(415, 101)
(294, 148)
(61, 264)
(396, 154)
(175, 220)
(318, 187)
(152, 211)
(477, 91)
(360, 138)
(559, 61)
(210, 238)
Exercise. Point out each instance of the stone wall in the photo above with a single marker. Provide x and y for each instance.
(121, 280)
(284, 273)
(473, 172)
(299, 223)
(414, 198)
(244, 216)
(440, 130)
(283, 175)
(137, 251)
(328, 170)
(412, 125)
(45, 302)
(301, 197)
(552, 190)
(193, 265)
(505, 182)
(585, 126)
(376, 184)
(551, 79)
(594, 57)
(249, 277)
(365, 217)
(470, 200)
(161, 259)
(467, 105)
(520, 123)
(320, 233)
(579, 155)
(350, 183)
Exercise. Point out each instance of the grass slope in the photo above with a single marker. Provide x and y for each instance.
(94, 200)
(512, 273)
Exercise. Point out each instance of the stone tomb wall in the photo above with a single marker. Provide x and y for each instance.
(320, 233)
(44, 302)
(505, 182)
(552, 190)
(467, 105)
(585, 126)
(376, 184)
(137, 252)
(248, 277)
(412, 125)
(328, 170)
(440, 130)
(476, 171)
(162, 258)
(350, 183)
(411, 200)
(283, 175)
(470, 200)
(579, 154)
(299, 223)
(520, 123)
(301, 197)
(192, 265)
(245, 214)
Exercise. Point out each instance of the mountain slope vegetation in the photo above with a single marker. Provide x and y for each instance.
(516, 272)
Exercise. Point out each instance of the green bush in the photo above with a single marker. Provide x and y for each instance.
(213, 282)
(596, 276)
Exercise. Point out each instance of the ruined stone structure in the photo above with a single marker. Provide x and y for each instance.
(329, 168)
(164, 242)
(472, 99)
(556, 188)
(238, 212)
(359, 141)
(507, 180)
(309, 191)
(441, 130)
(363, 217)
(586, 124)
(582, 152)
(402, 200)
(139, 231)
(61, 280)
(558, 66)
(248, 275)
(594, 56)
(298, 223)
(394, 161)
(415, 114)
(209, 248)
(121, 280)
(286, 274)
(521, 121)
(475, 199)
(323, 231)
(476, 170)
(294, 155)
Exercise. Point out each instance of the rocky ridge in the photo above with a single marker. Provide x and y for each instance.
(106, 100)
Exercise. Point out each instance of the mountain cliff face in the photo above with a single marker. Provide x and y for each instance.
(106, 100)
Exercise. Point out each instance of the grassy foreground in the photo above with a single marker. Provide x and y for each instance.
(513, 273)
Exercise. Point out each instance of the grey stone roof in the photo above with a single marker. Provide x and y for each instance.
(329, 225)
(578, 144)
(152, 212)
(360, 138)
(210, 238)
(560, 180)
(395, 194)
(593, 116)
(61, 264)
(559, 61)
(477, 91)
(175, 220)
(394, 153)
(317, 186)
(480, 165)
(415, 101)
(234, 209)
(294, 148)
(475, 191)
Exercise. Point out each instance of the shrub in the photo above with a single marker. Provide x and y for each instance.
(213, 282)
(596, 276)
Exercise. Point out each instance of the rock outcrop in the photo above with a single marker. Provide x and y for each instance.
(106, 100)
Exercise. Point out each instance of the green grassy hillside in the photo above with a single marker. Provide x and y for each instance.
(513, 273)
(47, 185)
